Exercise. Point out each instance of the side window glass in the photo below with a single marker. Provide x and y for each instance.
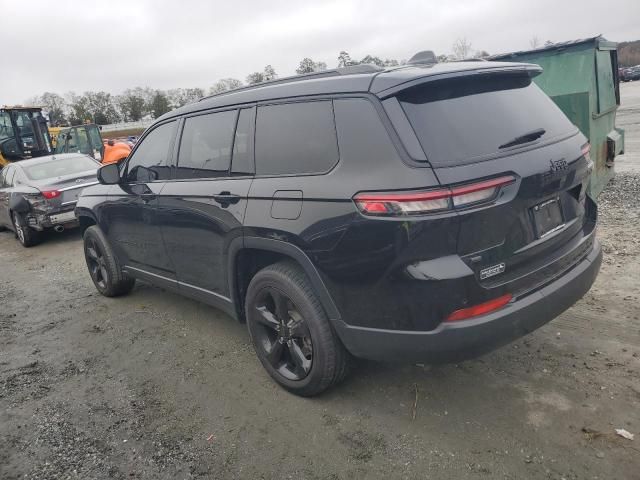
(96, 142)
(295, 138)
(205, 147)
(242, 161)
(3, 174)
(17, 178)
(8, 178)
(149, 161)
(82, 141)
(72, 138)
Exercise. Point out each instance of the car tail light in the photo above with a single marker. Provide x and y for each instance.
(49, 194)
(480, 309)
(415, 203)
(586, 153)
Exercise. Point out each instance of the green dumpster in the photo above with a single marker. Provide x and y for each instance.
(581, 77)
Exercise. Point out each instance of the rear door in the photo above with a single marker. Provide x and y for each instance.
(486, 126)
(202, 209)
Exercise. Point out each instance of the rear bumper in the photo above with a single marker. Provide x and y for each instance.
(458, 341)
(40, 221)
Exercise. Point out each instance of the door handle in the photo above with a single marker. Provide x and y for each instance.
(226, 198)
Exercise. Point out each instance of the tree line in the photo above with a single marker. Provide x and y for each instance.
(141, 103)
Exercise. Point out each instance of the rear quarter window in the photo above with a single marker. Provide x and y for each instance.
(465, 120)
(295, 138)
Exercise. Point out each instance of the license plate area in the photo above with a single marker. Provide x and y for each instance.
(547, 217)
(63, 217)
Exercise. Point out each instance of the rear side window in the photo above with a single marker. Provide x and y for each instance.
(465, 120)
(7, 176)
(205, 148)
(295, 138)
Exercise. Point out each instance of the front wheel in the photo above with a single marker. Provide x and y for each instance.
(103, 265)
(291, 333)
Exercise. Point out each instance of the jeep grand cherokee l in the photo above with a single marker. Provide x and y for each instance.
(420, 213)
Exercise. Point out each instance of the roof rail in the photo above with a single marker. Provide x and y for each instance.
(349, 70)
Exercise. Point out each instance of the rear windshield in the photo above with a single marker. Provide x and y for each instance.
(465, 120)
(60, 167)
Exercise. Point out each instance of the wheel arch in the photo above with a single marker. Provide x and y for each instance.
(248, 255)
(86, 219)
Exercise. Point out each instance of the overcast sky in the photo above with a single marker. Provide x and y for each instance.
(112, 45)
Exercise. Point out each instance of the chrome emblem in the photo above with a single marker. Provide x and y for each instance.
(491, 271)
(558, 165)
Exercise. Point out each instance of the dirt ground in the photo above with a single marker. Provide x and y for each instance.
(157, 386)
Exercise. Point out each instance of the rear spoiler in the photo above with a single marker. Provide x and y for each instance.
(529, 69)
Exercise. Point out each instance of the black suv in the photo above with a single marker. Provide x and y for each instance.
(421, 213)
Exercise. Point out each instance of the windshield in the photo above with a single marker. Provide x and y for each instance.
(60, 167)
(25, 128)
(468, 119)
(6, 129)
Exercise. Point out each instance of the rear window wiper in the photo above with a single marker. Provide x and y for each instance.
(527, 137)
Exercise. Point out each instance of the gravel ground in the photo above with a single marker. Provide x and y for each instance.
(157, 386)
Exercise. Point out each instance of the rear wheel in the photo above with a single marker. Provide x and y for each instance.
(291, 333)
(27, 236)
(103, 266)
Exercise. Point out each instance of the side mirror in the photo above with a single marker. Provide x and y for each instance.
(109, 174)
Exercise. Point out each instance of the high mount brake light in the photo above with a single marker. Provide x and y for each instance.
(481, 309)
(414, 203)
(49, 194)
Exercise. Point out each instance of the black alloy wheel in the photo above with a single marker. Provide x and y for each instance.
(290, 331)
(103, 265)
(96, 263)
(283, 334)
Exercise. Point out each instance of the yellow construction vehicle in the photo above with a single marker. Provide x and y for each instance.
(23, 134)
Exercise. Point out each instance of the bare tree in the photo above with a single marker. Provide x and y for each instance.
(224, 85)
(344, 60)
(461, 48)
(269, 73)
(534, 42)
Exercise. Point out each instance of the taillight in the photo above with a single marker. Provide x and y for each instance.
(586, 150)
(49, 194)
(415, 203)
(480, 309)
(586, 153)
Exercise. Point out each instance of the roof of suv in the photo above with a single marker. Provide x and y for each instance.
(356, 79)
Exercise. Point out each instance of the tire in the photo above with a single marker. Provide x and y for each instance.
(103, 266)
(298, 348)
(27, 236)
